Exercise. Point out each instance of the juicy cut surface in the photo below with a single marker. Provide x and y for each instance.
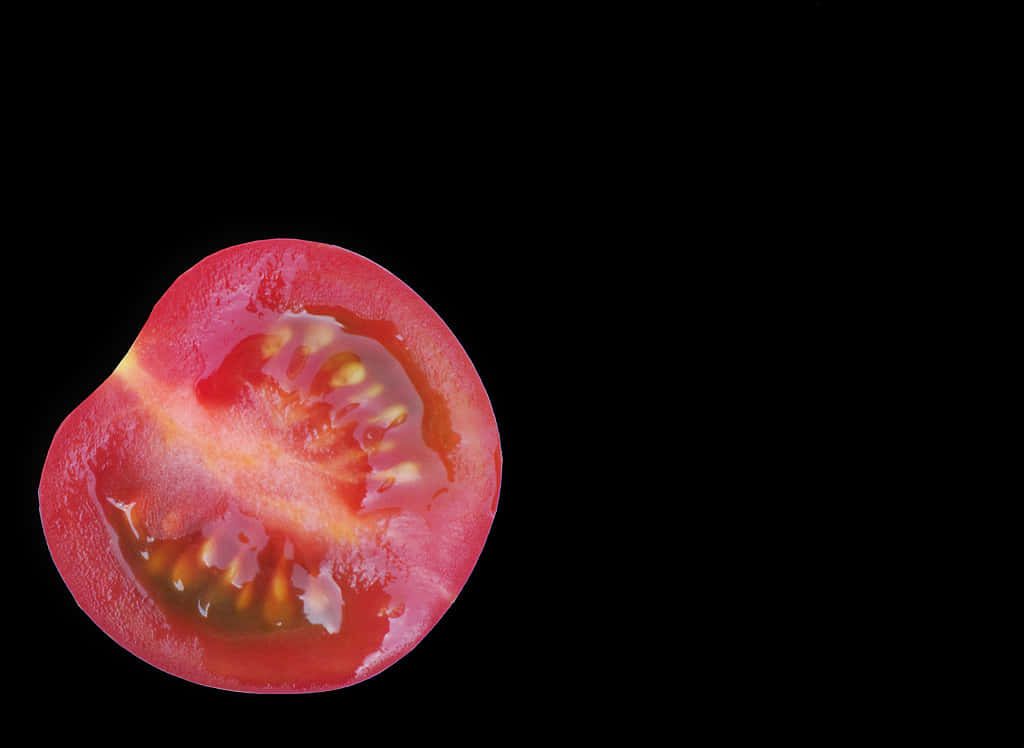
(286, 481)
(302, 441)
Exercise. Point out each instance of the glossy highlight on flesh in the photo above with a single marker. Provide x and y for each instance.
(286, 496)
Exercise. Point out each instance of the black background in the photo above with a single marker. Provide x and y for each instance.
(509, 178)
(491, 245)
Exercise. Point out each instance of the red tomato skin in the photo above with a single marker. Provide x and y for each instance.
(114, 432)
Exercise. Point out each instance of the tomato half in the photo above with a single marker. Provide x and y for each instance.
(285, 482)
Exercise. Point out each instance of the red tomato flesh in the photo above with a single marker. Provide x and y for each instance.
(287, 480)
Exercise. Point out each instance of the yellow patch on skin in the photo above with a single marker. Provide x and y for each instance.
(127, 365)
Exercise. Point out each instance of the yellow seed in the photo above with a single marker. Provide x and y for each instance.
(184, 571)
(279, 586)
(370, 392)
(231, 574)
(276, 611)
(392, 415)
(404, 472)
(158, 560)
(206, 554)
(350, 373)
(244, 597)
(275, 341)
(317, 337)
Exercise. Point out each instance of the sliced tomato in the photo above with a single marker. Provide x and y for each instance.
(285, 482)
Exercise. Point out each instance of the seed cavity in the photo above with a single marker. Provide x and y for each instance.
(242, 578)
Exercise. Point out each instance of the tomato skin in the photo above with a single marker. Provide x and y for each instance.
(133, 438)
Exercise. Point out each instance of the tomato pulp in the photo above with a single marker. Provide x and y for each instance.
(285, 482)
